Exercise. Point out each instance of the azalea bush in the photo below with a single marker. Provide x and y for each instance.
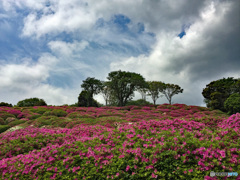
(151, 142)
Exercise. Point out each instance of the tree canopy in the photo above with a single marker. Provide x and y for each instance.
(86, 100)
(154, 89)
(31, 102)
(232, 104)
(123, 84)
(119, 89)
(217, 92)
(169, 90)
(92, 86)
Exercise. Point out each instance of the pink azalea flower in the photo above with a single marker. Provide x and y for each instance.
(127, 168)
(190, 170)
(154, 175)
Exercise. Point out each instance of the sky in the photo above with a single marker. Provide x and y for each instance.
(48, 47)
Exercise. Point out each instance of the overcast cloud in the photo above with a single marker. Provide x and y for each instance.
(48, 47)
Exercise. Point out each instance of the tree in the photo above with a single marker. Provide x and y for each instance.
(5, 104)
(31, 102)
(217, 92)
(169, 90)
(154, 88)
(86, 100)
(123, 84)
(143, 91)
(106, 92)
(92, 86)
(232, 104)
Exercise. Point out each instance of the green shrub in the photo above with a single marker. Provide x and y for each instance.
(47, 113)
(139, 102)
(39, 110)
(31, 102)
(86, 100)
(5, 104)
(2, 121)
(10, 119)
(5, 115)
(14, 123)
(44, 120)
(34, 116)
(61, 122)
(74, 105)
(59, 113)
(55, 112)
(78, 115)
(4, 128)
(232, 104)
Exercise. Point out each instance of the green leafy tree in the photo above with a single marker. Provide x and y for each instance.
(139, 102)
(92, 86)
(5, 104)
(217, 92)
(154, 89)
(169, 90)
(86, 100)
(232, 104)
(31, 102)
(106, 92)
(123, 84)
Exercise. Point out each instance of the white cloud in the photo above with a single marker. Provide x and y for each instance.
(209, 50)
(66, 48)
(173, 60)
(59, 16)
(28, 79)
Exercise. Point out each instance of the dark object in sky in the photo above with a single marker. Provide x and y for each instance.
(181, 34)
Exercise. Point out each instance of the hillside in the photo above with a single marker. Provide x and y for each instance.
(148, 142)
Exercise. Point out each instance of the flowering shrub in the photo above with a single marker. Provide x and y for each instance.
(5, 115)
(2, 121)
(4, 128)
(155, 142)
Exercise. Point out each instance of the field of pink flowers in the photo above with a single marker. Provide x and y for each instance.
(149, 142)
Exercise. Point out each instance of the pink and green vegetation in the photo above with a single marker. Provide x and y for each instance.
(148, 142)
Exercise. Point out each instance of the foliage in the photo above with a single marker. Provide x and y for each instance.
(39, 110)
(170, 90)
(232, 104)
(133, 142)
(217, 92)
(139, 102)
(31, 102)
(92, 86)
(17, 122)
(123, 84)
(74, 105)
(4, 128)
(2, 121)
(154, 88)
(5, 115)
(86, 100)
(5, 104)
(57, 112)
(107, 93)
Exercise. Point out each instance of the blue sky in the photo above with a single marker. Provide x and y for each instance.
(47, 48)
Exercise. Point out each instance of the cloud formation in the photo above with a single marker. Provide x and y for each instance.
(60, 43)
